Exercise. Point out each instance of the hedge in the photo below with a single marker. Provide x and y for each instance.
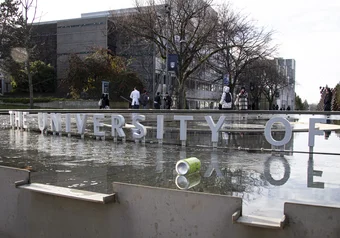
(27, 100)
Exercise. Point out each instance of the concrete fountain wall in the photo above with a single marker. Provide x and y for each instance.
(138, 211)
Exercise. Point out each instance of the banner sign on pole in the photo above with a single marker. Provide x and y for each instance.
(105, 87)
(172, 62)
(226, 79)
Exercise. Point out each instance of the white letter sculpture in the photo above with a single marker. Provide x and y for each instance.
(140, 131)
(214, 128)
(81, 124)
(160, 128)
(183, 127)
(24, 120)
(313, 131)
(117, 122)
(268, 131)
(56, 122)
(42, 121)
(68, 124)
(97, 125)
(11, 118)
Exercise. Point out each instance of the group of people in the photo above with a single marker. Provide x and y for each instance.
(283, 108)
(143, 100)
(104, 102)
(226, 102)
(241, 101)
(158, 101)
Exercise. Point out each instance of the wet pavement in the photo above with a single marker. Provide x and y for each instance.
(264, 180)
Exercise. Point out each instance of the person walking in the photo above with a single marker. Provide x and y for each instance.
(101, 102)
(168, 101)
(106, 102)
(327, 102)
(157, 101)
(144, 100)
(135, 96)
(226, 99)
(242, 99)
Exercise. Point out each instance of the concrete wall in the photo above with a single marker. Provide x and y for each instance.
(14, 204)
(144, 212)
(312, 221)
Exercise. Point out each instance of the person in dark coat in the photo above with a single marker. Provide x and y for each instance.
(144, 100)
(328, 100)
(168, 101)
(106, 102)
(157, 101)
(101, 102)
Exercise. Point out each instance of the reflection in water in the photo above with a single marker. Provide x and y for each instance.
(159, 160)
(93, 165)
(213, 166)
(267, 171)
(187, 181)
(327, 132)
(254, 140)
(137, 163)
(311, 173)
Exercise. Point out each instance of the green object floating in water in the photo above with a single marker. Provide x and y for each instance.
(188, 166)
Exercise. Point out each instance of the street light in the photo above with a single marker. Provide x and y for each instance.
(167, 12)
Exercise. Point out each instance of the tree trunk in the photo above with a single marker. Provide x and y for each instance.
(181, 93)
(257, 107)
(30, 83)
(270, 101)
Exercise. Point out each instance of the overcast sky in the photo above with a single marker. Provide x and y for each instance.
(306, 30)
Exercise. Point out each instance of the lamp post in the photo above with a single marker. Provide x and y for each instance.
(167, 12)
(153, 71)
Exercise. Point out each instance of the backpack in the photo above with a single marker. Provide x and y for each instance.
(227, 98)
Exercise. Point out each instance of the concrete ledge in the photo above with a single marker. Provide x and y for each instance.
(259, 221)
(68, 193)
(175, 111)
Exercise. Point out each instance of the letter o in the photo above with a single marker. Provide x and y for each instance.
(268, 175)
(268, 132)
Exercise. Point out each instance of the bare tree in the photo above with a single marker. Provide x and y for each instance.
(27, 27)
(185, 28)
(272, 79)
(252, 75)
(241, 43)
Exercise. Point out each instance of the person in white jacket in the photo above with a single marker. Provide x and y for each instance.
(226, 99)
(135, 95)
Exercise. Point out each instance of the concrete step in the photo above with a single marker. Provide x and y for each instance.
(67, 192)
(259, 221)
